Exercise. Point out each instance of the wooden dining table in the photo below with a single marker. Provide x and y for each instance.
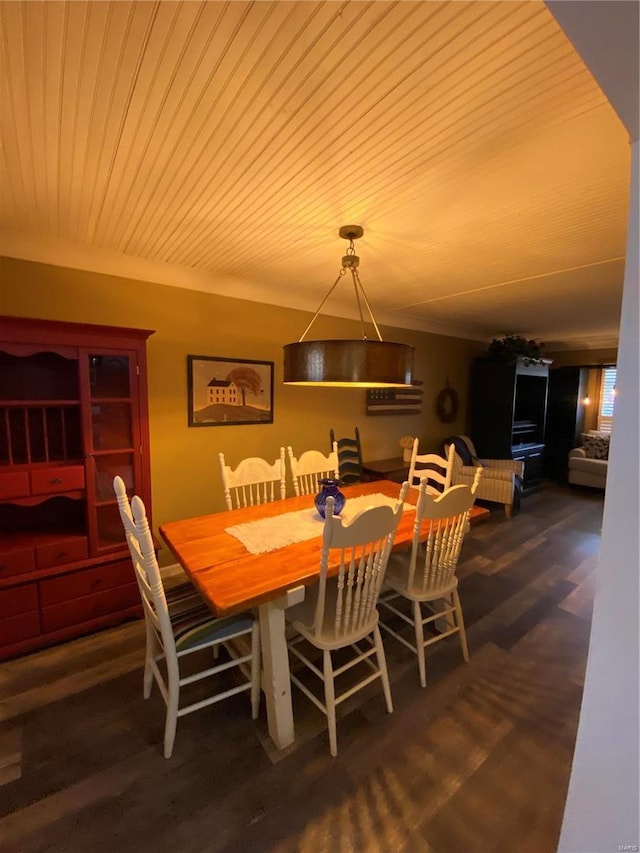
(232, 579)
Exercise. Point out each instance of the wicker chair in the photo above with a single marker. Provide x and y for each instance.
(498, 476)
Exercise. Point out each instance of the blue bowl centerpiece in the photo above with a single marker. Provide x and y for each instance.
(330, 488)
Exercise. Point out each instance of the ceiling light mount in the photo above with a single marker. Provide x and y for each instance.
(360, 363)
(351, 232)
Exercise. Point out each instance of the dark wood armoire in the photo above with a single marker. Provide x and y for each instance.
(508, 413)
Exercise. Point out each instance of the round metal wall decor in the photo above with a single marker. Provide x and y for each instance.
(447, 404)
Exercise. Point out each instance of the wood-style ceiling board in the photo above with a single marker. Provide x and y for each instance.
(556, 212)
(348, 147)
(586, 300)
(232, 140)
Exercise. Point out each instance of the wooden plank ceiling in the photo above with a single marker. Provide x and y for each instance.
(230, 140)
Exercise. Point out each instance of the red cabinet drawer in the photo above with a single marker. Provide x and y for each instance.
(86, 582)
(17, 628)
(89, 607)
(18, 599)
(16, 561)
(46, 481)
(14, 484)
(64, 551)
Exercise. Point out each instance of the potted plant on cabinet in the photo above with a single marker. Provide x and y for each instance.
(512, 347)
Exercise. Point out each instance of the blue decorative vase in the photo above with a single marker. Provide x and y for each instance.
(330, 489)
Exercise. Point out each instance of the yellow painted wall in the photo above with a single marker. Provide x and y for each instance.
(184, 461)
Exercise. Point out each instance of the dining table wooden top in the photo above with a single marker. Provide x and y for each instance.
(232, 579)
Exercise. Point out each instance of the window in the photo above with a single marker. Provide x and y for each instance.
(607, 399)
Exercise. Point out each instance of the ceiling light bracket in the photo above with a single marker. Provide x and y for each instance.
(350, 262)
(351, 232)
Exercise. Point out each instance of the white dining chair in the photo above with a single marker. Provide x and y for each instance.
(179, 623)
(253, 481)
(310, 467)
(339, 612)
(426, 576)
(432, 467)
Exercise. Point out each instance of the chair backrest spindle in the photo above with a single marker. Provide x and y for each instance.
(439, 529)
(347, 601)
(254, 481)
(310, 467)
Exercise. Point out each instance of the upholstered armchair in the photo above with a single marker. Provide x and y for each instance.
(498, 475)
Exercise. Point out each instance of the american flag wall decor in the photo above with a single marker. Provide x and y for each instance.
(395, 401)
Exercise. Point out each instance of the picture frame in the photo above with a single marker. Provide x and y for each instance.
(229, 391)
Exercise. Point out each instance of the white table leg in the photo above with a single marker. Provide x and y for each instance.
(275, 661)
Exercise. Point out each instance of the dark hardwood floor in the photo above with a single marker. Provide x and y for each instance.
(477, 761)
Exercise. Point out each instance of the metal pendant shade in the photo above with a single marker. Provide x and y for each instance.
(359, 363)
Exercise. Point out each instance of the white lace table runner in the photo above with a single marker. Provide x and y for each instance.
(269, 534)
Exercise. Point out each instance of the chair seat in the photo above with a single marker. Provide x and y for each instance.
(398, 575)
(198, 627)
(182, 597)
(592, 466)
(302, 615)
(193, 622)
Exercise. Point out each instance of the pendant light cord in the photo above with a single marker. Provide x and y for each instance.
(350, 262)
(356, 278)
(313, 319)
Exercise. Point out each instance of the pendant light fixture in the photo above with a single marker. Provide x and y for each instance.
(349, 363)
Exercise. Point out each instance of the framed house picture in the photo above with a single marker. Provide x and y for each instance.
(229, 391)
